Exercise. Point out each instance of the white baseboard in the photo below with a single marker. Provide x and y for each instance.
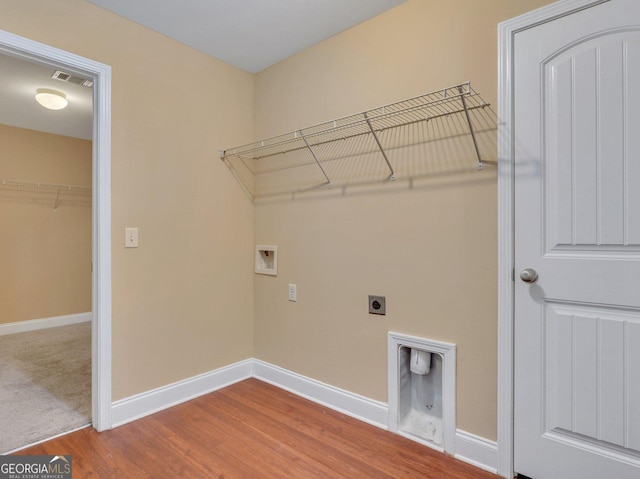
(144, 404)
(354, 405)
(477, 451)
(44, 323)
(469, 448)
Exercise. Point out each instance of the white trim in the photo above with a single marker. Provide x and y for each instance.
(144, 404)
(448, 353)
(30, 50)
(44, 323)
(506, 145)
(351, 404)
(476, 450)
(101, 386)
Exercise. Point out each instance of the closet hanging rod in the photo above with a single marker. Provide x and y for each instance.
(41, 185)
(447, 101)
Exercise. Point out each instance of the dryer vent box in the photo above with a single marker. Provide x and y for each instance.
(267, 259)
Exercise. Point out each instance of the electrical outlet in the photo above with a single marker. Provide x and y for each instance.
(377, 305)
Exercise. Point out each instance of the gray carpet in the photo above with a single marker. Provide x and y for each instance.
(45, 384)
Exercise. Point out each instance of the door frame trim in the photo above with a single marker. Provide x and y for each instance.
(506, 211)
(23, 48)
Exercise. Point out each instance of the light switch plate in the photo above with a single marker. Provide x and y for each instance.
(131, 237)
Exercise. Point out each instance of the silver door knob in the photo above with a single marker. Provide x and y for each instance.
(529, 275)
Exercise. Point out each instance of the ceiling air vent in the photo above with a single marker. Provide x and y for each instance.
(66, 77)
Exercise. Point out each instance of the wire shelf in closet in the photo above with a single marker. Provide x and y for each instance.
(57, 189)
(45, 186)
(440, 131)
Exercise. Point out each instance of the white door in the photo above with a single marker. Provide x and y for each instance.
(577, 225)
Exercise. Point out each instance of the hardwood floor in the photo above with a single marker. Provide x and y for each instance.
(252, 430)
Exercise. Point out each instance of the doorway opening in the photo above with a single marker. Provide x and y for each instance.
(100, 74)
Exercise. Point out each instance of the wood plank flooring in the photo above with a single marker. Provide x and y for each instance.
(252, 430)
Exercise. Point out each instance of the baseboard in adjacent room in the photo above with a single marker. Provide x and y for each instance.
(44, 323)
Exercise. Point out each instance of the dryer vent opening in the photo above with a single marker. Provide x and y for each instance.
(422, 390)
(420, 393)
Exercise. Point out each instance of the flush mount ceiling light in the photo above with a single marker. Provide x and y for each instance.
(51, 99)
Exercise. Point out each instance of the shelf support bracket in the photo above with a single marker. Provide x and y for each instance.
(329, 184)
(384, 154)
(480, 165)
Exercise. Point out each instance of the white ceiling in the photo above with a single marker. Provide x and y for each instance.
(250, 34)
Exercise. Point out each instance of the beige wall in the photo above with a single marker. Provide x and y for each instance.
(183, 301)
(431, 250)
(45, 253)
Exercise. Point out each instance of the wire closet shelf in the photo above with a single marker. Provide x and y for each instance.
(47, 188)
(316, 140)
